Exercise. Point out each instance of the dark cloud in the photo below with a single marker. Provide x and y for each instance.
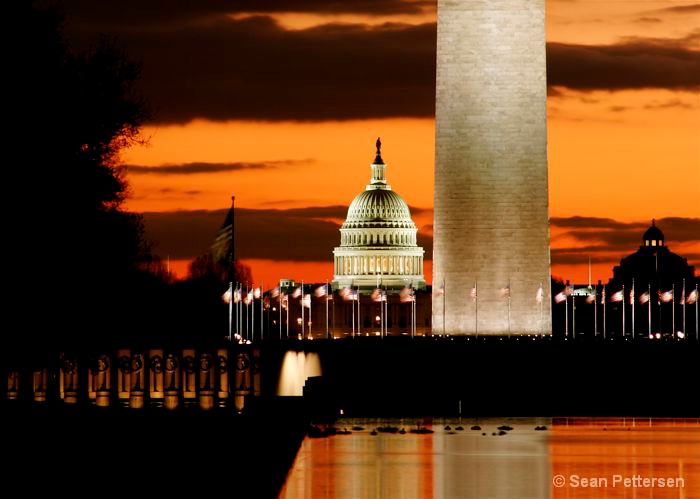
(591, 223)
(253, 68)
(680, 9)
(294, 234)
(631, 64)
(201, 167)
(648, 20)
(170, 190)
(367, 7)
(136, 13)
(607, 240)
(199, 62)
(311, 233)
(304, 234)
(671, 103)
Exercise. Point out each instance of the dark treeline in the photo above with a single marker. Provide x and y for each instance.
(79, 269)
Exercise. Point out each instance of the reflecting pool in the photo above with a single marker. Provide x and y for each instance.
(502, 458)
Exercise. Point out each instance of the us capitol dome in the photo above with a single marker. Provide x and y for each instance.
(378, 239)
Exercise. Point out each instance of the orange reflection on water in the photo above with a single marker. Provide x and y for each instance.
(595, 456)
(360, 465)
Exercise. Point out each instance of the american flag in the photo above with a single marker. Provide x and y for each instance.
(321, 291)
(348, 294)
(617, 296)
(472, 293)
(306, 301)
(406, 295)
(560, 297)
(644, 297)
(540, 294)
(227, 296)
(666, 296)
(692, 297)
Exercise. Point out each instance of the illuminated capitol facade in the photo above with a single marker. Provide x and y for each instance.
(378, 239)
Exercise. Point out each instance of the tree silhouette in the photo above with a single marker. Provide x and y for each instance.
(74, 253)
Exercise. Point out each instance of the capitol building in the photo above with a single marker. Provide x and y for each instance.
(378, 245)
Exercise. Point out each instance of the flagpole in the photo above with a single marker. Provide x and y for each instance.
(476, 310)
(566, 311)
(359, 330)
(381, 309)
(623, 310)
(311, 322)
(279, 300)
(649, 310)
(303, 331)
(415, 306)
(673, 310)
(326, 295)
(230, 311)
(632, 302)
(541, 309)
(262, 303)
(696, 312)
(384, 309)
(604, 300)
(595, 312)
(573, 311)
(352, 307)
(233, 233)
(287, 298)
(444, 300)
(413, 313)
(381, 312)
(508, 308)
(683, 299)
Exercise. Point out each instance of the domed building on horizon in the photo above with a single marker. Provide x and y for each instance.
(378, 245)
(650, 272)
(653, 264)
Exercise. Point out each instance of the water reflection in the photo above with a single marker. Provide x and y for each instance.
(483, 464)
(606, 452)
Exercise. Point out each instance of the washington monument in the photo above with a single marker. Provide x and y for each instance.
(491, 227)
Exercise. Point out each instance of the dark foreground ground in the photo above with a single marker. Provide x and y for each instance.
(400, 377)
(98, 452)
(85, 451)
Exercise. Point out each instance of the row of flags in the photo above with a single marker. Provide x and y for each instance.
(238, 295)
(407, 294)
(619, 296)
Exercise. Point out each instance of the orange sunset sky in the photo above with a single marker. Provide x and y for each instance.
(285, 117)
